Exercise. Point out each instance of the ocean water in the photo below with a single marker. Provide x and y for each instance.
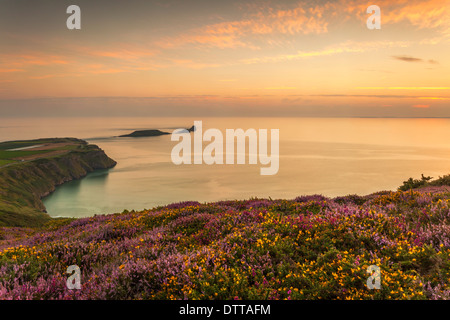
(329, 156)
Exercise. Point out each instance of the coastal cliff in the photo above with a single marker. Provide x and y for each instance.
(24, 184)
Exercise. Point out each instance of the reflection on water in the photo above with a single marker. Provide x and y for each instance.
(326, 156)
(70, 198)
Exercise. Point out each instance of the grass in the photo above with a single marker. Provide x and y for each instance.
(8, 155)
(5, 162)
(23, 143)
(16, 144)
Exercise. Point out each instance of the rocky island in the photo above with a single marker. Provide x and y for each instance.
(30, 170)
(151, 133)
(145, 133)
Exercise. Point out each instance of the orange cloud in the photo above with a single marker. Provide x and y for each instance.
(346, 47)
(280, 88)
(31, 59)
(434, 98)
(126, 52)
(419, 13)
(11, 70)
(404, 88)
(314, 19)
(262, 26)
(424, 14)
(192, 64)
(232, 34)
(421, 106)
(46, 76)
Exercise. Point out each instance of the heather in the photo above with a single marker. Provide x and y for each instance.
(311, 247)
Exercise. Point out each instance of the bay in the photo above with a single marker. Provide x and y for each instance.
(329, 156)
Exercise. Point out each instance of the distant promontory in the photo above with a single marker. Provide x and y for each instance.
(151, 133)
(145, 133)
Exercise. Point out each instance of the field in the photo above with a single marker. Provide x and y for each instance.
(310, 247)
(8, 155)
(44, 148)
(5, 162)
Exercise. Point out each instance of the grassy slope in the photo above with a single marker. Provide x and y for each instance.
(23, 184)
(311, 247)
(9, 155)
(4, 162)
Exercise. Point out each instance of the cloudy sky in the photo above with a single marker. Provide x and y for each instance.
(220, 58)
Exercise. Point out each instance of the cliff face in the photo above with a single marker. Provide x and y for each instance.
(23, 185)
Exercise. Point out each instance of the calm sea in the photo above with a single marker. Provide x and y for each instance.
(329, 156)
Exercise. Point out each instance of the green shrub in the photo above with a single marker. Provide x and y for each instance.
(414, 183)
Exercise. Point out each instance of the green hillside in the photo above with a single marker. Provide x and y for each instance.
(28, 175)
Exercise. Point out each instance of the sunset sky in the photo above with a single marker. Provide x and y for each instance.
(221, 58)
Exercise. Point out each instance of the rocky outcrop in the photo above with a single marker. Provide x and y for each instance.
(151, 133)
(145, 133)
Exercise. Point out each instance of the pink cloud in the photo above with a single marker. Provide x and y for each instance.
(232, 34)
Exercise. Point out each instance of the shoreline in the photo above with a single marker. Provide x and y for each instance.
(26, 183)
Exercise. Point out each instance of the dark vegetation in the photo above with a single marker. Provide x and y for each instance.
(412, 183)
